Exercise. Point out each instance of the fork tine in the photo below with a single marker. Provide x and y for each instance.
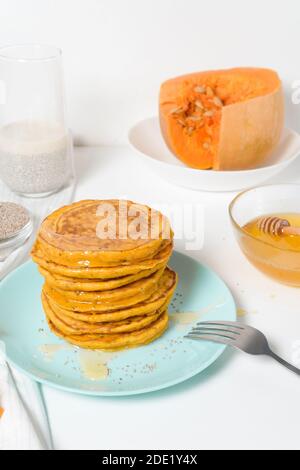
(237, 325)
(213, 338)
(206, 331)
(216, 328)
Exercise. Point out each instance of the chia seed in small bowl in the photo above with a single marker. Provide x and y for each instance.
(15, 226)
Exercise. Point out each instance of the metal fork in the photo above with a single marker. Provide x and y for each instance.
(239, 336)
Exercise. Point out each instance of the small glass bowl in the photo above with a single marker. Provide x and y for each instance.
(281, 264)
(8, 245)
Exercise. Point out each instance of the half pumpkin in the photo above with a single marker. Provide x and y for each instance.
(223, 120)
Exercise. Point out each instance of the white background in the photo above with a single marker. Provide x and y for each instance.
(117, 52)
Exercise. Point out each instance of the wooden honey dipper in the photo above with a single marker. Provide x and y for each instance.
(277, 227)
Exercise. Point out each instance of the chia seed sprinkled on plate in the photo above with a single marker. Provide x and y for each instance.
(13, 218)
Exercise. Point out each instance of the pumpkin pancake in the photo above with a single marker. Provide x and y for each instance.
(119, 341)
(103, 273)
(77, 235)
(74, 327)
(157, 302)
(76, 305)
(91, 285)
(144, 286)
(103, 307)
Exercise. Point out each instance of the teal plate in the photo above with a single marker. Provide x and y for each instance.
(171, 359)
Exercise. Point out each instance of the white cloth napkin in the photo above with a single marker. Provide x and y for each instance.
(24, 424)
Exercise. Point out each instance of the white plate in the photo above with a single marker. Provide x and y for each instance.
(145, 138)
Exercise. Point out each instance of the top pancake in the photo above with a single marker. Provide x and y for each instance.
(99, 233)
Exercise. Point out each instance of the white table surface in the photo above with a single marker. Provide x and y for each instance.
(241, 402)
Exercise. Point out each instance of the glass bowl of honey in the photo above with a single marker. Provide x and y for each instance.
(266, 223)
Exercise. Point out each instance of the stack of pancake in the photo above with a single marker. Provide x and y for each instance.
(107, 284)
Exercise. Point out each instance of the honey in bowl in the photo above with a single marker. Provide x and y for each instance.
(275, 254)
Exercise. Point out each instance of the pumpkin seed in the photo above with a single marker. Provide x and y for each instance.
(209, 92)
(181, 122)
(199, 89)
(190, 130)
(195, 118)
(217, 101)
(208, 113)
(198, 104)
(206, 146)
(177, 110)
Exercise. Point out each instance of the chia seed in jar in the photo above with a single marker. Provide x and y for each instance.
(34, 157)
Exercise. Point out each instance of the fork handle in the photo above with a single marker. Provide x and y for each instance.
(284, 363)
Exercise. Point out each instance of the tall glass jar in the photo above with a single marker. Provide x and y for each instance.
(36, 157)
